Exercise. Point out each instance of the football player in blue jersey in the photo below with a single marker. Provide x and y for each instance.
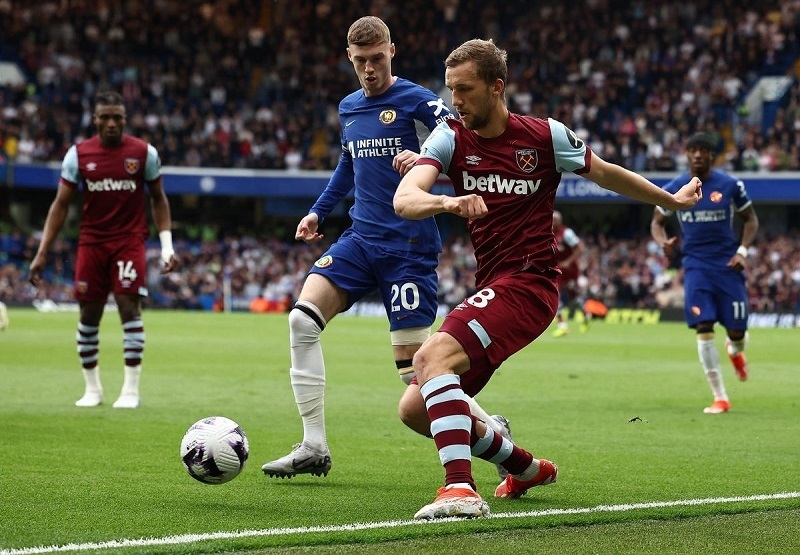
(713, 261)
(381, 251)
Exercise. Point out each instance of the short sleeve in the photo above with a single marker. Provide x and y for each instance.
(69, 166)
(570, 151)
(439, 146)
(152, 166)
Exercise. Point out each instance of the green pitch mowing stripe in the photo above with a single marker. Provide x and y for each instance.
(195, 538)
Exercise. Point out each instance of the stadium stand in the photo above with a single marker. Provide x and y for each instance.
(621, 273)
(255, 84)
(249, 83)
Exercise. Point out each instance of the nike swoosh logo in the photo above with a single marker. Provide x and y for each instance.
(349, 123)
(308, 462)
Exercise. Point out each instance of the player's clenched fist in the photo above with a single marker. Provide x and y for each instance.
(690, 194)
(470, 207)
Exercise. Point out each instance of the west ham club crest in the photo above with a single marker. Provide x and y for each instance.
(131, 165)
(527, 159)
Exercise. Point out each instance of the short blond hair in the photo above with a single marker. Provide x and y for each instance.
(367, 31)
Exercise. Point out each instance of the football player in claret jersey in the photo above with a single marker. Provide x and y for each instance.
(379, 252)
(113, 168)
(713, 263)
(569, 249)
(505, 170)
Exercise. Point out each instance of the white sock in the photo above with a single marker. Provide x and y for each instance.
(478, 412)
(307, 374)
(736, 347)
(709, 358)
(530, 472)
(131, 384)
(91, 378)
(462, 485)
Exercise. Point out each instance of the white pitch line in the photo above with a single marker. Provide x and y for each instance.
(192, 538)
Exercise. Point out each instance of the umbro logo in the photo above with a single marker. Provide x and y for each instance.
(473, 160)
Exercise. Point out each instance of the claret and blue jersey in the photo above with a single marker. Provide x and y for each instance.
(517, 174)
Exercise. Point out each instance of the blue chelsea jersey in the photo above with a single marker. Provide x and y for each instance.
(708, 235)
(374, 130)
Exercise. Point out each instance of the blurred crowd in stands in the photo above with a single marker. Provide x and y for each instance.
(632, 273)
(256, 83)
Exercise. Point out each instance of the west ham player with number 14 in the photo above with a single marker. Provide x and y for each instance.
(114, 167)
(713, 263)
(569, 248)
(379, 252)
(505, 170)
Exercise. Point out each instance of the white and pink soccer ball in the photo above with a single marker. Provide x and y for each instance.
(214, 450)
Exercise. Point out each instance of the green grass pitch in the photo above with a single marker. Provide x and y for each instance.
(619, 409)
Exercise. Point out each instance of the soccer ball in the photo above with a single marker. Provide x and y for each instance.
(214, 450)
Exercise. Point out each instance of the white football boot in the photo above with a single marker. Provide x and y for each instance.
(454, 502)
(302, 460)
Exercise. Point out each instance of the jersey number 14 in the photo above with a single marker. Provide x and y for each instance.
(126, 270)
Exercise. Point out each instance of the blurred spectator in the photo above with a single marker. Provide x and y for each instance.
(620, 273)
(255, 83)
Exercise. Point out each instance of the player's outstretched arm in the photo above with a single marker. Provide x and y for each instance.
(625, 182)
(414, 201)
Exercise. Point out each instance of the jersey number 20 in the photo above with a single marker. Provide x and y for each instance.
(407, 295)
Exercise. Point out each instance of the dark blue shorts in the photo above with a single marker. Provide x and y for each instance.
(716, 296)
(406, 281)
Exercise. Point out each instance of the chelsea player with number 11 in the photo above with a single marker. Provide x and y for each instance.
(714, 263)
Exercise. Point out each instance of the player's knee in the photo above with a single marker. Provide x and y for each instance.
(420, 363)
(413, 414)
(404, 411)
(736, 335)
(305, 323)
(704, 328)
(428, 358)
